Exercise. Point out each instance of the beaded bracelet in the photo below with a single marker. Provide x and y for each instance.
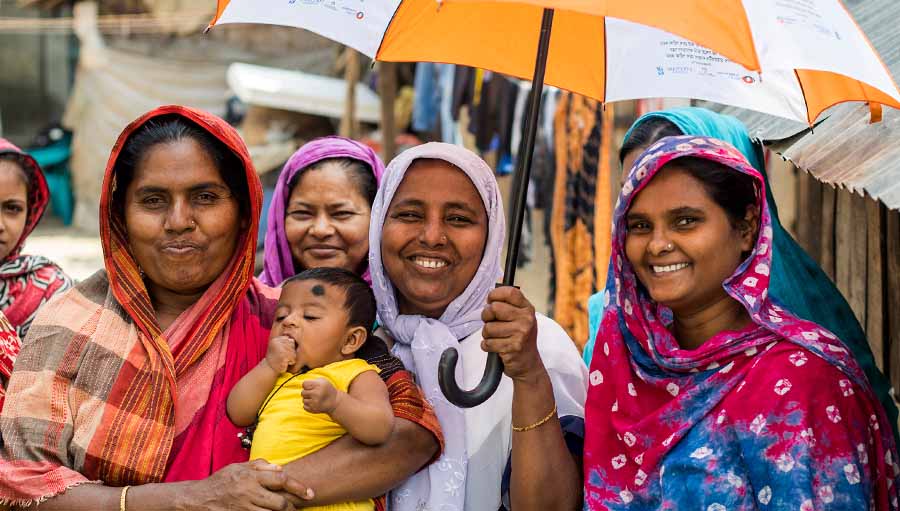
(536, 424)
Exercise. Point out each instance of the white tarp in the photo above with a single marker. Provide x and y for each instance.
(300, 92)
(107, 97)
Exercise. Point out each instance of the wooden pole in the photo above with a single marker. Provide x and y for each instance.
(349, 123)
(876, 322)
(387, 89)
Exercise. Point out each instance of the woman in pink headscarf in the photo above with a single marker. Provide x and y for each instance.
(319, 215)
(26, 281)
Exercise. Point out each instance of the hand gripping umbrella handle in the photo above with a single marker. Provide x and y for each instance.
(494, 369)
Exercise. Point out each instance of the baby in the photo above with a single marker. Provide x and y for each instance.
(323, 318)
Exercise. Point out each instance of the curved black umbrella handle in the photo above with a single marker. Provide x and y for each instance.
(493, 371)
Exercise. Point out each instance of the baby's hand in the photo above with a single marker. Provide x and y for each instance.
(319, 396)
(282, 353)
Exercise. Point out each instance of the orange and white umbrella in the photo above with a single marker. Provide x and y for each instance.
(789, 59)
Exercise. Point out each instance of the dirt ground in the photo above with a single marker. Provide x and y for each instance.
(79, 254)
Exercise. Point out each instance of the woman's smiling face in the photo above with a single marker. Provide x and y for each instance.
(433, 238)
(681, 243)
(327, 220)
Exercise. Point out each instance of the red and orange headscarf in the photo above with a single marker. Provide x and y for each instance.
(147, 397)
(124, 274)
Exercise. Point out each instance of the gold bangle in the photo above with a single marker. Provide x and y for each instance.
(122, 498)
(536, 424)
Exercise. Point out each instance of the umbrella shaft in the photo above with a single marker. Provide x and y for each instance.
(526, 149)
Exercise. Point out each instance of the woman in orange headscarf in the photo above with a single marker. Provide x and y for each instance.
(124, 378)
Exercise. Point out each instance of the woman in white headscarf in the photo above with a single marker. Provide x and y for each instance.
(436, 236)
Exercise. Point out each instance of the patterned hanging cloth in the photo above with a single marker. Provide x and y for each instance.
(579, 227)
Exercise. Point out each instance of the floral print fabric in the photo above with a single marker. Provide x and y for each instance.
(775, 416)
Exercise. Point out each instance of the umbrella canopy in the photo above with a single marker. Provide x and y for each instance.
(789, 59)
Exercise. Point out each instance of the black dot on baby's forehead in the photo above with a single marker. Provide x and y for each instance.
(318, 290)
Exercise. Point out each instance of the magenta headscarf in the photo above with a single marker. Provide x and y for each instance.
(279, 262)
(670, 428)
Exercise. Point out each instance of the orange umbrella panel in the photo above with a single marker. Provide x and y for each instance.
(721, 25)
(500, 37)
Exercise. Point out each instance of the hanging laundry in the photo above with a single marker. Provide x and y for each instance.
(581, 212)
(449, 124)
(522, 96)
(463, 90)
(492, 115)
(427, 97)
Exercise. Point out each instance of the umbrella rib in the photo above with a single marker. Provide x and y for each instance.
(389, 25)
(809, 118)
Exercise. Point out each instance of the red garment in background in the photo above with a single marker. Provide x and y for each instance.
(9, 348)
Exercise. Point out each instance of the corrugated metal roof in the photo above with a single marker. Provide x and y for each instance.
(844, 149)
(761, 126)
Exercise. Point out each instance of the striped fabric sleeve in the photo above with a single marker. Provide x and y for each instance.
(407, 399)
(409, 403)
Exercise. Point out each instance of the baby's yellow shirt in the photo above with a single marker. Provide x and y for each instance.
(286, 431)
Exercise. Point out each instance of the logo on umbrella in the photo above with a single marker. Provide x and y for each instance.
(360, 15)
(749, 80)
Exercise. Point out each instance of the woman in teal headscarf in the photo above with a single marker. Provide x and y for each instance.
(797, 281)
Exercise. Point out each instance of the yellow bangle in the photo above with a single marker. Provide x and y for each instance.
(122, 498)
(532, 426)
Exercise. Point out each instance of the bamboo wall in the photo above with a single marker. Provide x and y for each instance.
(856, 240)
